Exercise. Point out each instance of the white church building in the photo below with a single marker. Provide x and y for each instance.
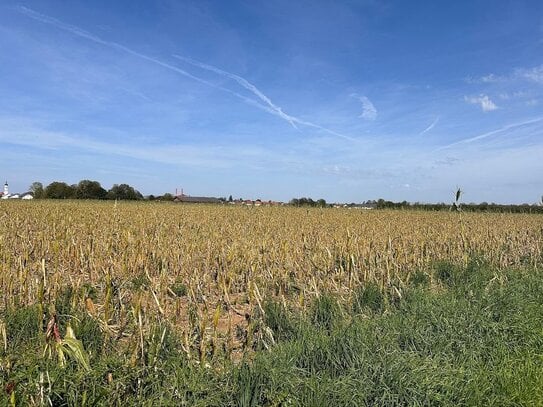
(7, 195)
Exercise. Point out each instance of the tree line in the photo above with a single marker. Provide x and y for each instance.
(308, 202)
(464, 207)
(85, 189)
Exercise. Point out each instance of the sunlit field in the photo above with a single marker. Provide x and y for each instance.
(217, 285)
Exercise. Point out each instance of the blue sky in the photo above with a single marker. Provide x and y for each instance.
(342, 100)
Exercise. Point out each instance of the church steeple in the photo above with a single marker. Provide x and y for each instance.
(6, 189)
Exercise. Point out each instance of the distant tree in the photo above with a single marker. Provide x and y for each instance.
(37, 190)
(483, 206)
(151, 197)
(294, 202)
(307, 202)
(123, 192)
(59, 190)
(87, 189)
(167, 197)
(230, 199)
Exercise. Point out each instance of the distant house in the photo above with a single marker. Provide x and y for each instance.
(364, 206)
(258, 202)
(27, 196)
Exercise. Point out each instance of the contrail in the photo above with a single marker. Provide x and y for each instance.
(269, 106)
(430, 127)
(491, 133)
(84, 34)
(252, 88)
(244, 83)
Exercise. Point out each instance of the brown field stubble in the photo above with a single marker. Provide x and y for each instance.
(208, 269)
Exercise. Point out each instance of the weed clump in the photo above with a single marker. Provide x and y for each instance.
(179, 289)
(140, 282)
(23, 326)
(368, 298)
(89, 332)
(420, 279)
(448, 274)
(325, 312)
(280, 321)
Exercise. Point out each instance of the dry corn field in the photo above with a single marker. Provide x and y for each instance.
(207, 269)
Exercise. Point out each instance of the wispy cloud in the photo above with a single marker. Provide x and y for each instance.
(447, 161)
(359, 173)
(369, 112)
(23, 132)
(430, 127)
(492, 133)
(268, 105)
(534, 74)
(490, 78)
(483, 100)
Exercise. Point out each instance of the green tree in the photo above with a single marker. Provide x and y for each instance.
(87, 189)
(59, 190)
(123, 192)
(37, 190)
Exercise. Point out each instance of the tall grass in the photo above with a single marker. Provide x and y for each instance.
(475, 341)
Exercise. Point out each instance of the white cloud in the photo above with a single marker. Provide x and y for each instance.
(23, 132)
(532, 74)
(515, 95)
(490, 78)
(486, 104)
(369, 112)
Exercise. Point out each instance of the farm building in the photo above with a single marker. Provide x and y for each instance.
(196, 199)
